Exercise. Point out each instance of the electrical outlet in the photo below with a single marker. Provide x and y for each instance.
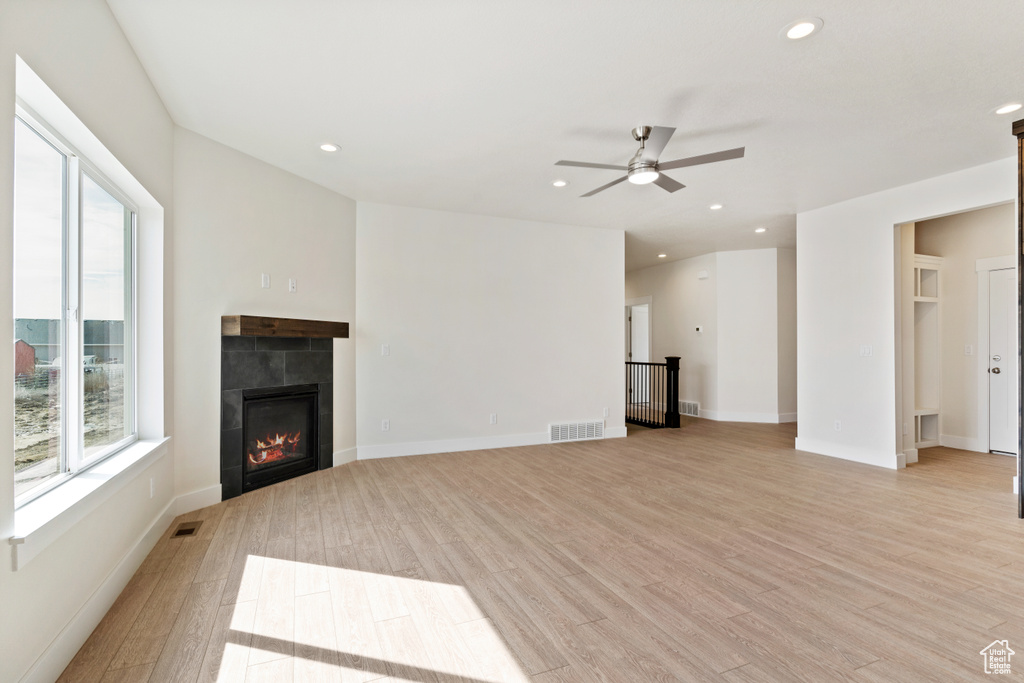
(152, 487)
(385, 425)
(293, 285)
(265, 280)
(606, 412)
(839, 425)
(494, 418)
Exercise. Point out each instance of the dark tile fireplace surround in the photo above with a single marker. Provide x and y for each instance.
(276, 402)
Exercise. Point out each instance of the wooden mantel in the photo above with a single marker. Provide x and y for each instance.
(259, 326)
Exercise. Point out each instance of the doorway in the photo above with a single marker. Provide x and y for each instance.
(957, 331)
(638, 350)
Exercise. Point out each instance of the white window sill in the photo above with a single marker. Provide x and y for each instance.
(41, 522)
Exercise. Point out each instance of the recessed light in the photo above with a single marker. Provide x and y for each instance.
(1009, 108)
(560, 183)
(715, 207)
(662, 255)
(802, 28)
(328, 147)
(760, 229)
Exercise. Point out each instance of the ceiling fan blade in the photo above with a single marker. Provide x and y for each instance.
(604, 187)
(667, 184)
(586, 164)
(702, 159)
(656, 142)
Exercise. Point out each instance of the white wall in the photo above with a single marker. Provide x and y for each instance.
(742, 366)
(748, 336)
(846, 298)
(962, 239)
(483, 315)
(236, 218)
(787, 335)
(680, 302)
(78, 50)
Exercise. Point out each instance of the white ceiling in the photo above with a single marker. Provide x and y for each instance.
(466, 105)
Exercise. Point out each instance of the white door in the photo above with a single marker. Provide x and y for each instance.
(639, 352)
(639, 341)
(1002, 362)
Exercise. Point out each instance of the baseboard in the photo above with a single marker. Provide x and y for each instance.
(62, 649)
(196, 500)
(964, 443)
(733, 416)
(911, 455)
(480, 443)
(844, 452)
(901, 460)
(787, 417)
(344, 456)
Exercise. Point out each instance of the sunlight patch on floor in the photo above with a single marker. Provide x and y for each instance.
(355, 625)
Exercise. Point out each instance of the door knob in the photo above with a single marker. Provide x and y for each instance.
(996, 371)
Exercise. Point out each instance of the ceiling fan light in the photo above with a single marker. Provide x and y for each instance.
(643, 176)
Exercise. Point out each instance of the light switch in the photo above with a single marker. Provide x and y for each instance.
(968, 350)
(385, 350)
(865, 350)
(292, 285)
(265, 280)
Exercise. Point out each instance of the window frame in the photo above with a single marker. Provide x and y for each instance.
(73, 460)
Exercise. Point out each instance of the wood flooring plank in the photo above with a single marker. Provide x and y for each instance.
(95, 655)
(223, 546)
(274, 623)
(359, 651)
(335, 526)
(246, 570)
(492, 659)
(276, 671)
(227, 654)
(142, 673)
(310, 565)
(316, 656)
(148, 634)
(186, 644)
(404, 651)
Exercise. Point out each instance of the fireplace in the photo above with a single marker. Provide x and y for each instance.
(276, 403)
(279, 434)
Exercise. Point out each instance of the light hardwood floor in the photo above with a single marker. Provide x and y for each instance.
(710, 553)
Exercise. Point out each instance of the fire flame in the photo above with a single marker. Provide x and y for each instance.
(273, 448)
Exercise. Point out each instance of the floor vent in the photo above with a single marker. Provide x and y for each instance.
(577, 431)
(186, 529)
(689, 408)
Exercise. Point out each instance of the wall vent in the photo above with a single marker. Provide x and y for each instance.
(577, 431)
(689, 408)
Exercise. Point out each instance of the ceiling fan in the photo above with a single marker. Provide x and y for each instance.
(644, 168)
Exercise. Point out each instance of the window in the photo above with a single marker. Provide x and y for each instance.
(73, 308)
